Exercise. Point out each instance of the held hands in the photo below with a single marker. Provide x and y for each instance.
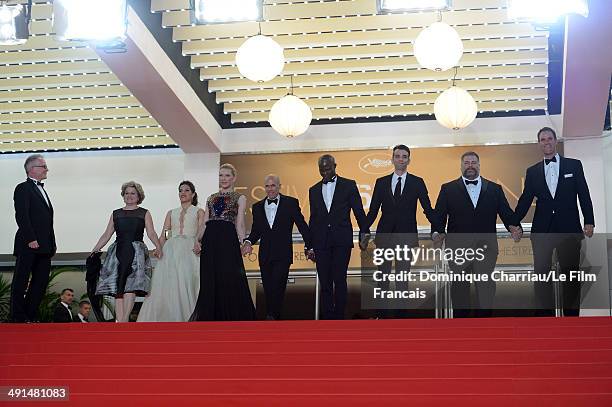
(516, 232)
(363, 242)
(33, 244)
(588, 230)
(158, 253)
(246, 249)
(310, 255)
(438, 238)
(197, 248)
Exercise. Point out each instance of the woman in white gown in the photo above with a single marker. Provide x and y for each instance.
(176, 279)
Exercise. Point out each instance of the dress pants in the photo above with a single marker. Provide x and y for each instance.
(567, 246)
(464, 305)
(25, 299)
(394, 308)
(274, 276)
(332, 265)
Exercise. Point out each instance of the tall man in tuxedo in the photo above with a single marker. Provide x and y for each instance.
(397, 195)
(557, 183)
(470, 205)
(331, 202)
(273, 220)
(34, 241)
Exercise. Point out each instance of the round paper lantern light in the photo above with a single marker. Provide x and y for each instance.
(260, 58)
(455, 108)
(438, 47)
(290, 116)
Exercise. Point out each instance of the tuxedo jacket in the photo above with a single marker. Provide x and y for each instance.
(276, 241)
(61, 314)
(34, 220)
(334, 228)
(400, 216)
(75, 318)
(559, 214)
(454, 208)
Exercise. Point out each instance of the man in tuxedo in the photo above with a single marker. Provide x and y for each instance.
(63, 310)
(397, 195)
(557, 183)
(331, 202)
(34, 241)
(273, 220)
(470, 205)
(83, 314)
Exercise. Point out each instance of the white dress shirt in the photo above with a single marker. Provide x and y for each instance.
(271, 210)
(42, 191)
(551, 172)
(81, 317)
(394, 180)
(67, 307)
(473, 190)
(328, 192)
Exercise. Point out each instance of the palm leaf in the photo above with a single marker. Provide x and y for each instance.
(5, 298)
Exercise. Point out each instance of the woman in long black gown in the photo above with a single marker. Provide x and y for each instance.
(126, 271)
(224, 290)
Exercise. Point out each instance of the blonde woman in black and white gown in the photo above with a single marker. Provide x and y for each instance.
(176, 277)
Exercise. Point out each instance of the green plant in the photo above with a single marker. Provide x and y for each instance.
(5, 298)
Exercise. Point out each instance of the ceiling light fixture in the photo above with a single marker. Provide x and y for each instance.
(290, 116)
(438, 47)
(260, 58)
(455, 108)
(104, 22)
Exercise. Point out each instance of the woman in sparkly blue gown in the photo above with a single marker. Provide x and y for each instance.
(224, 290)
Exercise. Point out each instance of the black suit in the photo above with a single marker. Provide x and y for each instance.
(61, 313)
(76, 318)
(556, 225)
(399, 216)
(332, 240)
(398, 224)
(475, 228)
(35, 223)
(276, 247)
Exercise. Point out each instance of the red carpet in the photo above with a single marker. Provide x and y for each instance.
(484, 362)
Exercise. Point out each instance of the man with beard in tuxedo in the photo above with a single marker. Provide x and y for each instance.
(470, 204)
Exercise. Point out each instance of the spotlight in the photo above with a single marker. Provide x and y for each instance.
(14, 23)
(545, 11)
(103, 22)
(226, 11)
(400, 6)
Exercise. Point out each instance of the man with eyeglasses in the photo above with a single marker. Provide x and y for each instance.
(34, 241)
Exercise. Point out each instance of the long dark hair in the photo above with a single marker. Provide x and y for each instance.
(194, 200)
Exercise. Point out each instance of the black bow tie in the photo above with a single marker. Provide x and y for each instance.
(468, 182)
(40, 183)
(273, 201)
(549, 160)
(331, 180)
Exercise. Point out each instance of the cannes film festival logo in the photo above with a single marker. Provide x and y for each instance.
(376, 163)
